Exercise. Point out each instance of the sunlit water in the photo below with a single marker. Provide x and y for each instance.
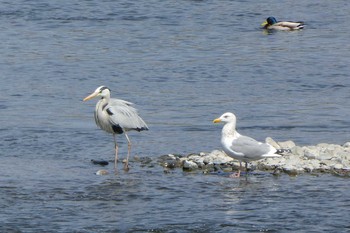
(183, 63)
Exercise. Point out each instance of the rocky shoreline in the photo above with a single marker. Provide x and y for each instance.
(316, 159)
(321, 158)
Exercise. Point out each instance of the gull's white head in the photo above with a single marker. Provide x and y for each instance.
(101, 91)
(226, 117)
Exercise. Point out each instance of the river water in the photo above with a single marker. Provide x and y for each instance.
(183, 63)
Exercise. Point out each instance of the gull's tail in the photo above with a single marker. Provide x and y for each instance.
(283, 151)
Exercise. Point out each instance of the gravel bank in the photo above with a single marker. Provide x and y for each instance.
(315, 159)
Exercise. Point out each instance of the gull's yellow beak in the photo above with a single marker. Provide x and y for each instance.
(93, 95)
(217, 120)
(264, 23)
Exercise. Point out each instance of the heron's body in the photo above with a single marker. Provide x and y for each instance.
(116, 116)
(242, 148)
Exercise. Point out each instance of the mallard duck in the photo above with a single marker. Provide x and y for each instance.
(272, 24)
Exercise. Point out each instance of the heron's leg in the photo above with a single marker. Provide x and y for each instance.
(126, 166)
(116, 152)
(246, 168)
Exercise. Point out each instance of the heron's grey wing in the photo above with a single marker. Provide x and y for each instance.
(122, 114)
(249, 147)
(118, 102)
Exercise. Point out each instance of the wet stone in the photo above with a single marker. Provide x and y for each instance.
(189, 165)
(100, 162)
(102, 172)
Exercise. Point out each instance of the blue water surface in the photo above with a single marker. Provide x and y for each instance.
(183, 63)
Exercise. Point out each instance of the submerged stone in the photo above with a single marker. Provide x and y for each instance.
(102, 172)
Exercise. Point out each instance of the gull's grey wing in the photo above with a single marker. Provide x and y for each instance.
(249, 147)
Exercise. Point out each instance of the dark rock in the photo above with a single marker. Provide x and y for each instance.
(100, 162)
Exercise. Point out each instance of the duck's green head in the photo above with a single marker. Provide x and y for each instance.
(269, 21)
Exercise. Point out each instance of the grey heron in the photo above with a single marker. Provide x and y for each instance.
(116, 116)
(241, 147)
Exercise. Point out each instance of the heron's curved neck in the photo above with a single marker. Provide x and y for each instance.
(102, 103)
(105, 98)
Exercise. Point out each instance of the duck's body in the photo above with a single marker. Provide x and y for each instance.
(272, 24)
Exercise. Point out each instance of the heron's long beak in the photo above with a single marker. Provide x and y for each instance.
(264, 23)
(217, 120)
(93, 95)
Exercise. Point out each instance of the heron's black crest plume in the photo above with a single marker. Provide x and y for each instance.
(104, 88)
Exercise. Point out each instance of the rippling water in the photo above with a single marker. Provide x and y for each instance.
(183, 63)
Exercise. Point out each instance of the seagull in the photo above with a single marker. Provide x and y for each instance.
(116, 116)
(241, 147)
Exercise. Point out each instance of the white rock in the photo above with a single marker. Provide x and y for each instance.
(312, 150)
(217, 157)
(272, 142)
(287, 144)
(294, 162)
(197, 159)
(280, 161)
(190, 165)
(325, 156)
(297, 150)
(338, 166)
(312, 164)
(310, 153)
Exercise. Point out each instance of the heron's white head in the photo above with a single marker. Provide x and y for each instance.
(101, 91)
(226, 117)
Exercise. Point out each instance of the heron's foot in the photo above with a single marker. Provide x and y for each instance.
(235, 175)
(115, 171)
(126, 167)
